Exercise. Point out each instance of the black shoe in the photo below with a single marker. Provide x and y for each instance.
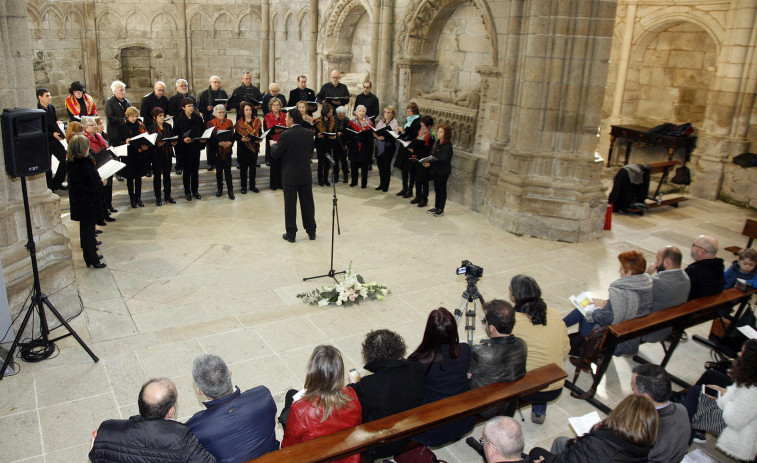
(320, 183)
(409, 194)
(178, 172)
(97, 265)
(99, 256)
(379, 188)
(148, 174)
(326, 182)
(97, 232)
(98, 243)
(109, 219)
(311, 236)
(219, 192)
(363, 186)
(158, 201)
(119, 178)
(210, 168)
(188, 197)
(139, 201)
(62, 188)
(423, 203)
(438, 213)
(344, 181)
(415, 200)
(431, 211)
(351, 184)
(169, 199)
(102, 223)
(254, 190)
(112, 209)
(402, 193)
(231, 196)
(288, 237)
(197, 195)
(385, 189)
(244, 190)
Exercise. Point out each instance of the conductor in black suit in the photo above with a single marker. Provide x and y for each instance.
(295, 149)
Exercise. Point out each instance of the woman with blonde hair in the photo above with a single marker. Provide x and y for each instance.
(626, 435)
(136, 159)
(85, 196)
(327, 406)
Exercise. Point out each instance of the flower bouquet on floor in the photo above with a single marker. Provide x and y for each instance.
(350, 289)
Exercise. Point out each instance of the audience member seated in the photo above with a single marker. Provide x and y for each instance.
(630, 297)
(670, 285)
(653, 383)
(743, 268)
(502, 441)
(502, 357)
(151, 437)
(545, 335)
(734, 417)
(445, 362)
(236, 426)
(707, 271)
(396, 384)
(626, 436)
(327, 405)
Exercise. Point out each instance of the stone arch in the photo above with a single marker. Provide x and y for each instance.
(342, 14)
(289, 25)
(277, 24)
(33, 13)
(164, 17)
(252, 15)
(74, 17)
(423, 23)
(302, 19)
(652, 25)
(137, 22)
(108, 26)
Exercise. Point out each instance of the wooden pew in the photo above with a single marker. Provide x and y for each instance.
(414, 421)
(750, 231)
(680, 317)
(663, 168)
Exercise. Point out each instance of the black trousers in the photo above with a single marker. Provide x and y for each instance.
(362, 166)
(223, 166)
(324, 165)
(275, 173)
(87, 241)
(54, 182)
(408, 175)
(134, 186)
(248, 163)
(421, 182)
(108, 189)
(161, 168)
(384, 163)
(191, 171)
(340, 158)
(440, 189)
(307, 207)
(179, 159)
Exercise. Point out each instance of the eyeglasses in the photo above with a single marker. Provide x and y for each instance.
(482, 442)
(694, 245)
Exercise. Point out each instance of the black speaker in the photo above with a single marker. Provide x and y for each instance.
(25, 142)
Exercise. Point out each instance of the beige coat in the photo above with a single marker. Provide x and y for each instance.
(546, 343)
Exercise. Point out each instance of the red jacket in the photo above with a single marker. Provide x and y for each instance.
(304, 424)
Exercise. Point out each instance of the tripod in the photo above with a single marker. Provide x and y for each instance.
(470, 294)
(334, 221)
(38, 299)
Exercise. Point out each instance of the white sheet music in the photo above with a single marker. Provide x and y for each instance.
(583, 424)
(110, 168)
(121, 150)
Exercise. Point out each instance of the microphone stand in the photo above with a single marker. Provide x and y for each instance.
(334, 219)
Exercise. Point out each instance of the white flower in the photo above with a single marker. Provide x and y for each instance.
(323, 303)
(339, 302)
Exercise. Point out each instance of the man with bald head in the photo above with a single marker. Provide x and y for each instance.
(274, 91)
(152, 436)
(502, 440)
(334, 92)
(670, 285)
(155, 99)
(707, 272)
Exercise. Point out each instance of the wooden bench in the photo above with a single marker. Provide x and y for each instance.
(414, 421)
(663, 168)
(680, 317)
(750, 231)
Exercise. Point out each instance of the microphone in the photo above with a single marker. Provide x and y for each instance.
(328, 156)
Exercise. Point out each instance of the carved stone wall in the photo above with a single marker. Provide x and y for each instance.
(461, 119)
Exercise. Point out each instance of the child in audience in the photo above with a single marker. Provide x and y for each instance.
(743, 268)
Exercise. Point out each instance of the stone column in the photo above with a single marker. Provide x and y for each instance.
(91, 52)
(265, 44)
(385, 52)
(51, 238)
(375, 15)
(730, 102)
(548, 184)
(314, 44)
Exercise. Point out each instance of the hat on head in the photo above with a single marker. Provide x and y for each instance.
(77, 85)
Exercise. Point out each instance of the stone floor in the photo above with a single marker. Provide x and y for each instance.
(215, 276)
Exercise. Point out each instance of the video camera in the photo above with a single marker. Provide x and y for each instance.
(470, 270)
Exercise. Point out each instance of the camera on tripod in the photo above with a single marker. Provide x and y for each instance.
(470, 270)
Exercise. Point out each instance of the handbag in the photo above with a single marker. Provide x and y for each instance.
(420, 454)
(709, 416)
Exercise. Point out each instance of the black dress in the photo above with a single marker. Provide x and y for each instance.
(403, 158)
(190, 152)
(85, 198)
(137, 159)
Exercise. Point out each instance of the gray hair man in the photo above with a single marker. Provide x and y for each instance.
(707, 272)
(236, 426)
(502, 440)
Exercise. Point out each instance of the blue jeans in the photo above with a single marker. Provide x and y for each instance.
(584, 327)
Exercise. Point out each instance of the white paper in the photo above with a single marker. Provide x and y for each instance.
(264, 134)
(299, 394)
(151, 137)
(394, 134)
(207, 133)
(583, 302)
(698, 456)
(121, 150)
(62, 129)
(583, 424)
(404, 143)
(748, 331)
(110, 168)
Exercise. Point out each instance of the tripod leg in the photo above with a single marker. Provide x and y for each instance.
(17, 340)
(68, 327)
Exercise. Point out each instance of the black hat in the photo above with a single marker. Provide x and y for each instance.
(77, 85)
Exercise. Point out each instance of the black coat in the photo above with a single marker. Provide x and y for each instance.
(137, 440)
(208, 98)
(136, 160)
(600, 446)
(51, 121)
(409, 134)
(84, 190)
(150, 102)
(295, 149)
(174, 104)
(298, 95)
(194, 125)
(394, 386)
(115, 112)
(707, 277)
(443, 154)
(371, 103)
